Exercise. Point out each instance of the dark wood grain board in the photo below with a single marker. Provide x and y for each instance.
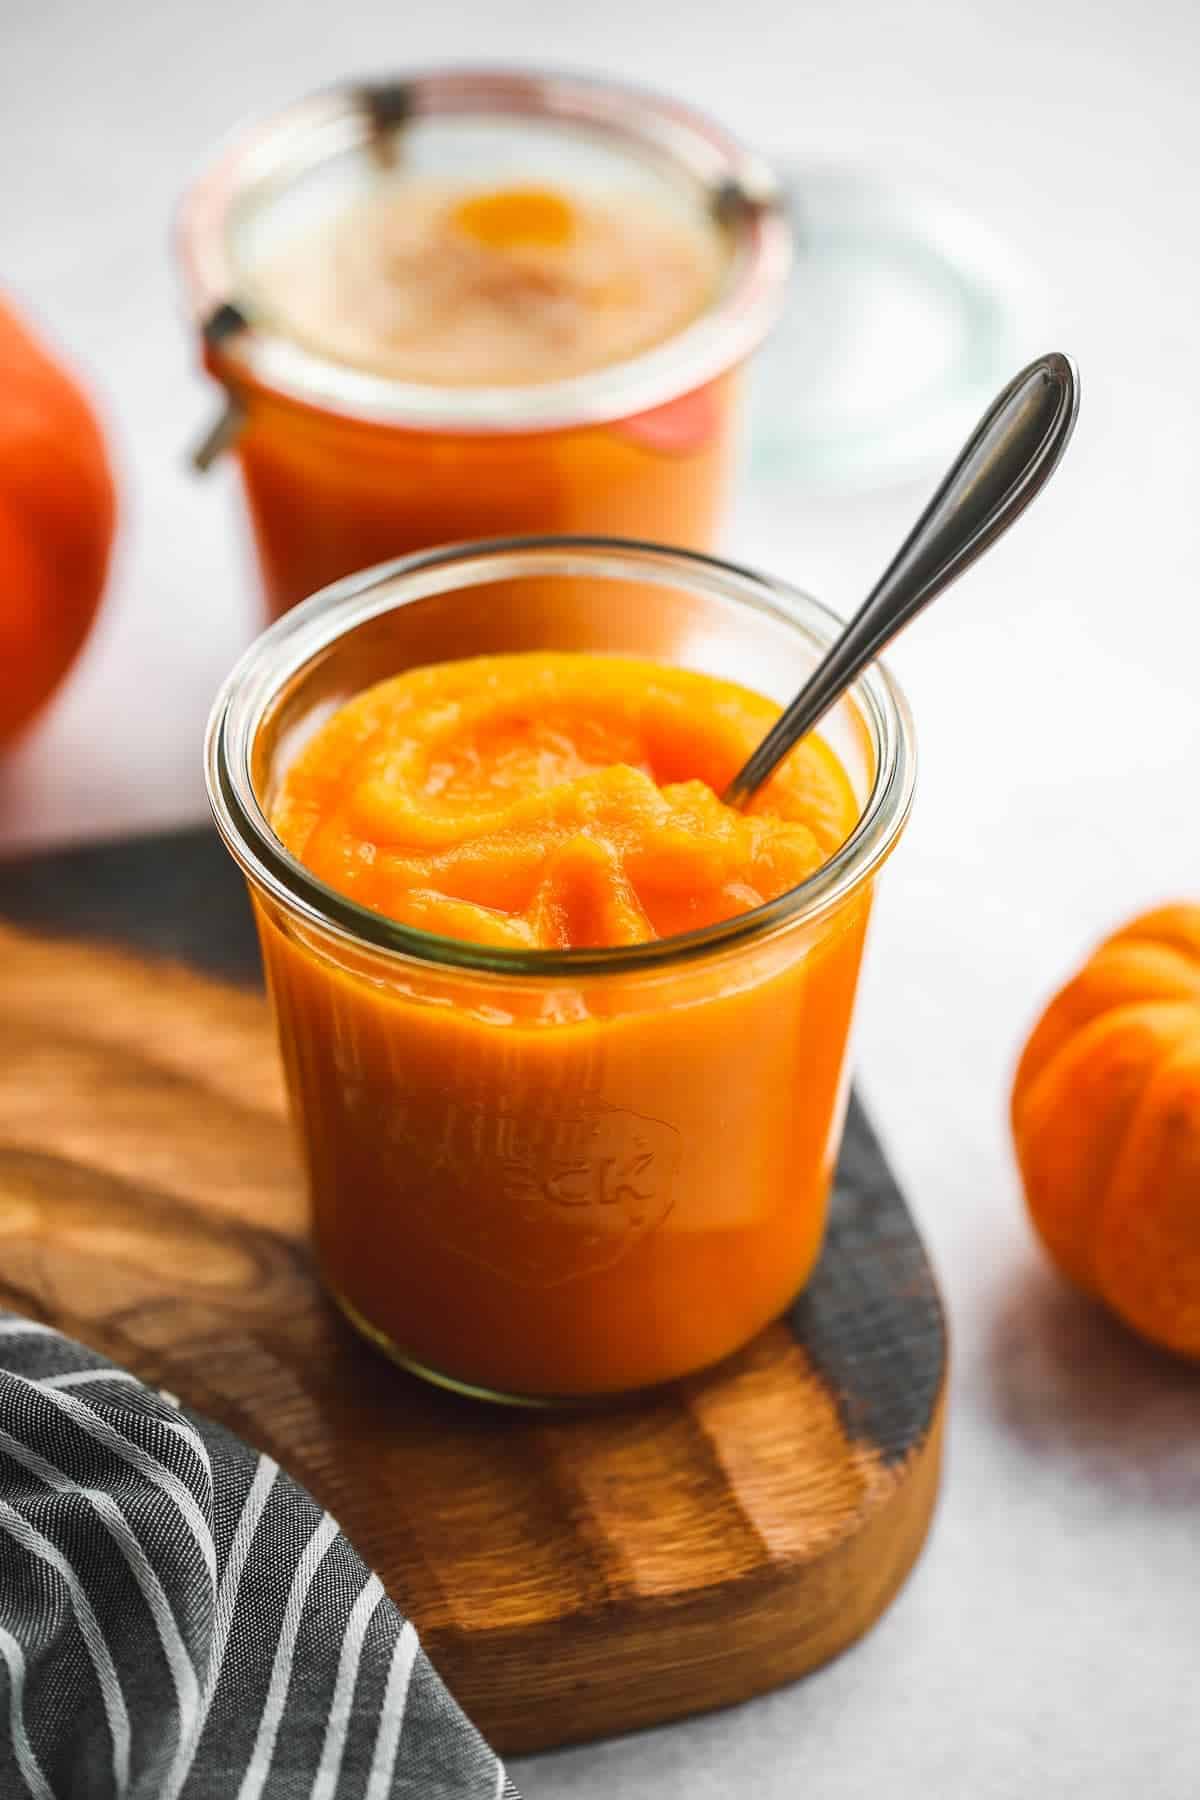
(572, 1575)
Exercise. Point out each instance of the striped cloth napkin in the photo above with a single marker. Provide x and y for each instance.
(180, 1621)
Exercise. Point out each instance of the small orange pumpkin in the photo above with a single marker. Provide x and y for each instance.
(1106, 1119)
(57, 516)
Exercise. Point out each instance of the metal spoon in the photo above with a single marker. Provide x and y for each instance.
(1008, 459)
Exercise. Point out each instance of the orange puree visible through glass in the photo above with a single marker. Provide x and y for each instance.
(555, 1182)
(556, 801)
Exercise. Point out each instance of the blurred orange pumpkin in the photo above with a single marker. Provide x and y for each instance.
(1106, 1118)
(57, 518)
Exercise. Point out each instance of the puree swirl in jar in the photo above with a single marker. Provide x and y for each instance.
(557, 801)
(534, 1181)
(564, 1037)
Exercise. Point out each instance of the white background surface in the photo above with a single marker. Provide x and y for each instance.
(1049, 1642)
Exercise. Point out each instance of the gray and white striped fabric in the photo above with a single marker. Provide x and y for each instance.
(180, 1621)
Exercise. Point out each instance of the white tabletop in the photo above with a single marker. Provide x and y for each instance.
(1049, 1641)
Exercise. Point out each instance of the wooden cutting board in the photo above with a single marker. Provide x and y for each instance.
(571, 1575)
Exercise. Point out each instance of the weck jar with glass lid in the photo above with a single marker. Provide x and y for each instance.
(473, 302)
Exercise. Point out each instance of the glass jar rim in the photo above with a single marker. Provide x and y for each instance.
(336, 119)
(293, 642)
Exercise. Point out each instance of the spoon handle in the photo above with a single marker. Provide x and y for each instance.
(1008, 458)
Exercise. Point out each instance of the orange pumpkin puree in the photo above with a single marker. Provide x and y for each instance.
(563, 1185)
(556, 801)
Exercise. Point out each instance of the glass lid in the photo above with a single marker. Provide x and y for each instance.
(904, 315)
